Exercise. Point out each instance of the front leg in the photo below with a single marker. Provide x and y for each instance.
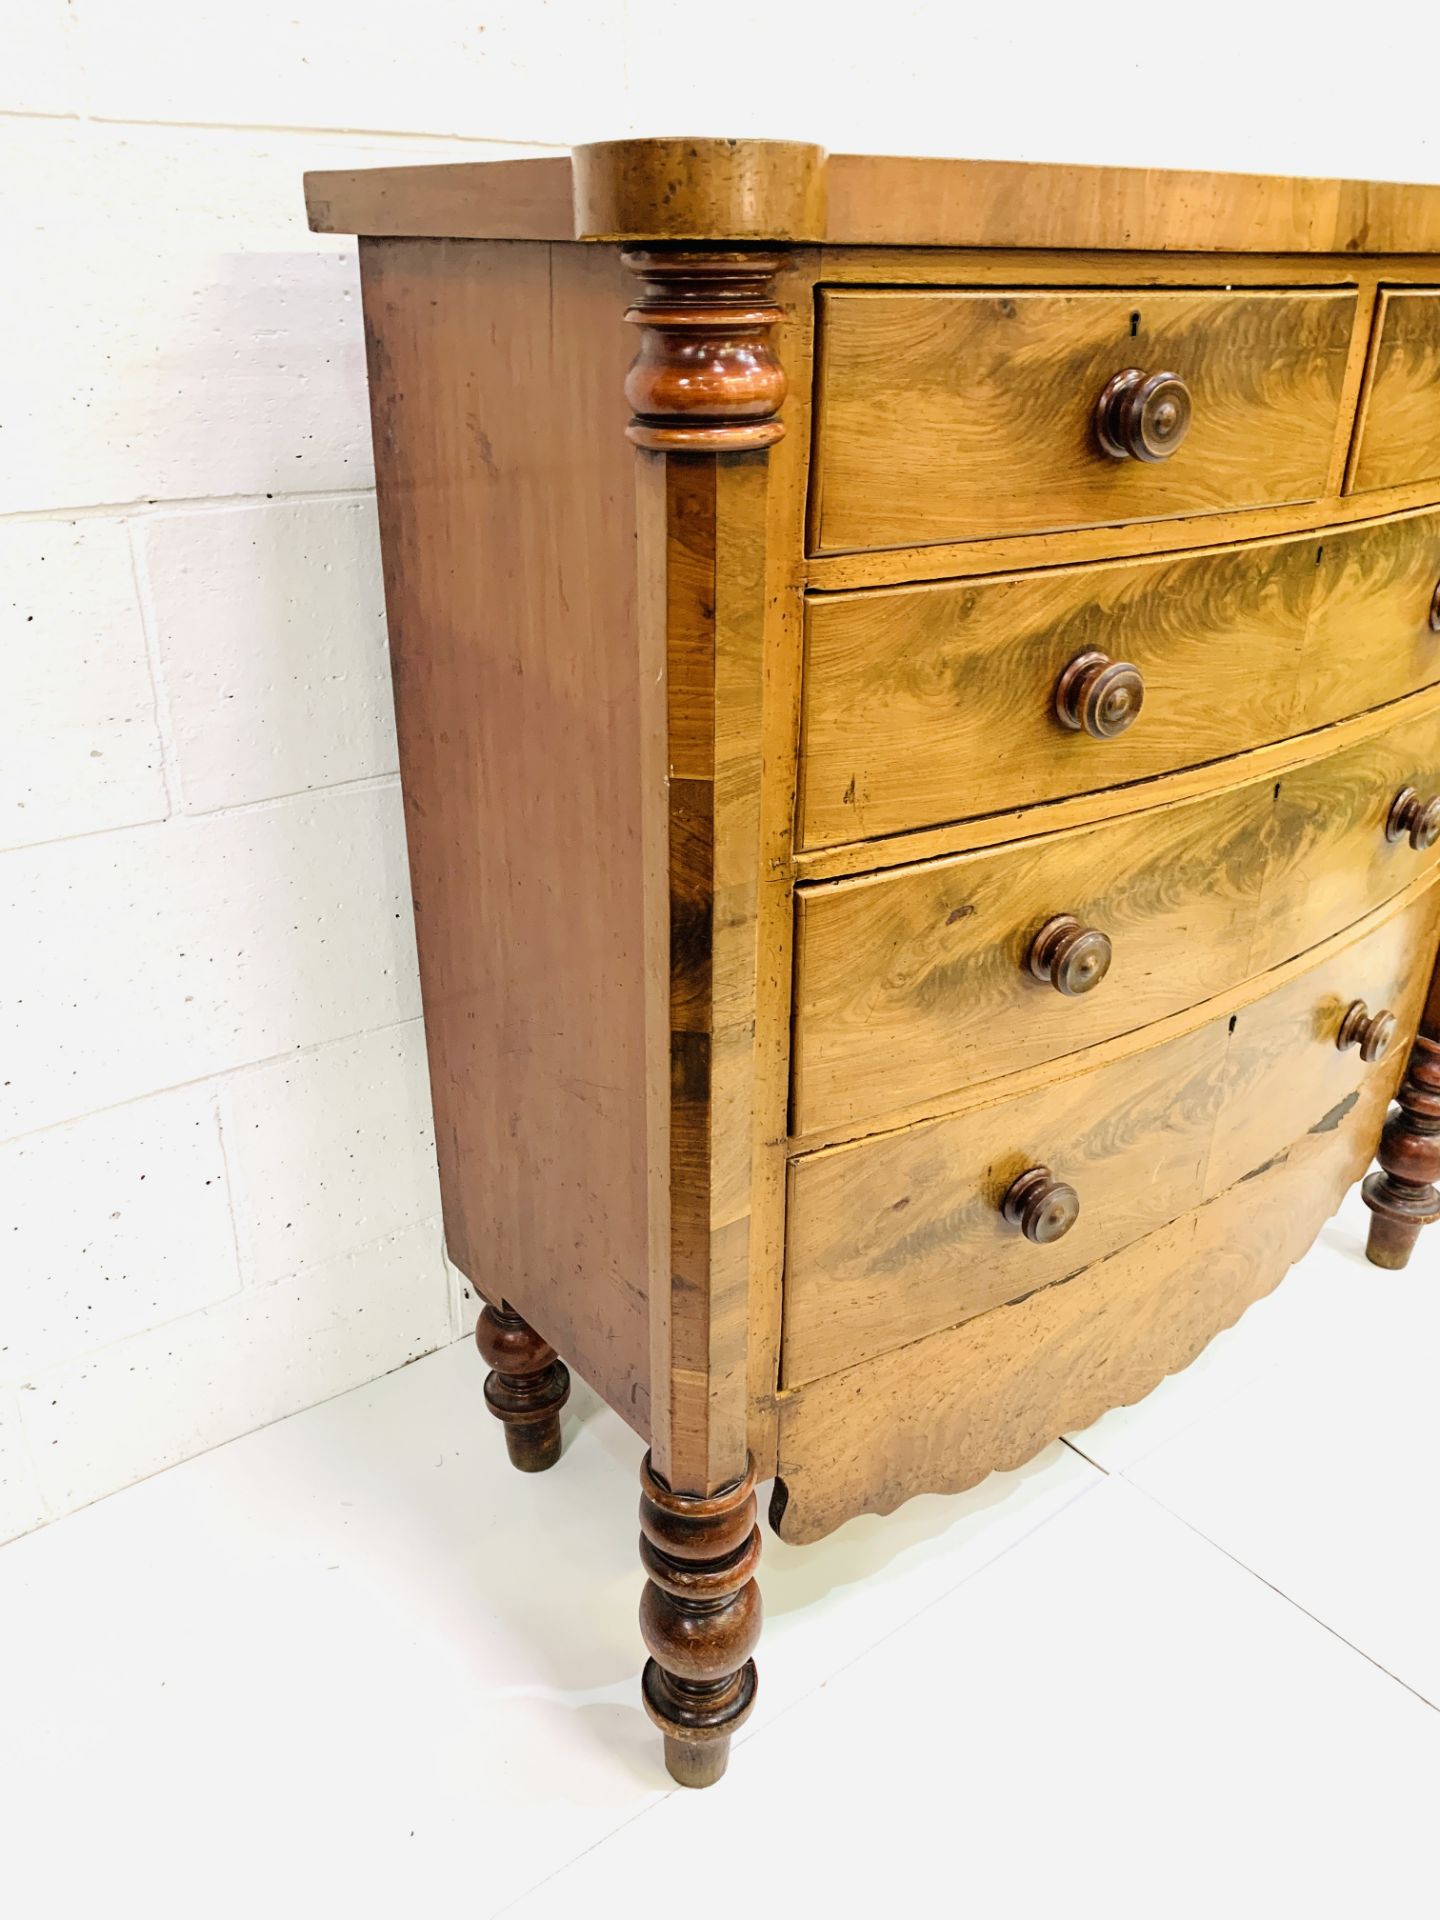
(700, 1616)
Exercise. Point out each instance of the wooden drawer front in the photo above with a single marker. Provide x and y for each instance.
(1399, 437)
(913, 985)
(1330, 858)
(957, 416)
(896, 1237)
(932, 704)
(1285, 1076)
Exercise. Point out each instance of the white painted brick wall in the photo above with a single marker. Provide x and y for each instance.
(217, 1185)
(218, 1199)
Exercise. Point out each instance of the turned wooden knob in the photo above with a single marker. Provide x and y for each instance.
(1072, 957)
(1435, 609)
(1099, 696)
(1414, 819)
(1142, 416)
(1371, 1032)
(1041, 1206)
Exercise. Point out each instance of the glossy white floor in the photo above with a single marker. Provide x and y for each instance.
(353, 1665)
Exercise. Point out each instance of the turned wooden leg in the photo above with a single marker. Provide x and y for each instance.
(700, 1615)
(526, 1387)
(1403, 1198)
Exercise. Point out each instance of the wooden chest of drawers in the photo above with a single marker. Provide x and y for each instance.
(923, 794)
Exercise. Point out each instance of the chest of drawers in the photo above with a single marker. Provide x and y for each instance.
(921, 758)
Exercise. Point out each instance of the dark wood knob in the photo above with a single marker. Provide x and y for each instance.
(1371, 1032)
(1142, 416)
(1041, 1206)
(1072, 957)
(1099, 696)
(1435, 609)
(1414, 819)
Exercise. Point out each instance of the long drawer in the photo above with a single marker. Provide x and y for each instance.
(916, 983)
(900, 1235)
(929, 704)
(951, 414)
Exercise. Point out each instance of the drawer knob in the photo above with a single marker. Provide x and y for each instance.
(1435, 609)
(1371, 1032)
(1099, 696)
(1072, 957)
(1142, 416)
(1414, 819)
(1041, 1206)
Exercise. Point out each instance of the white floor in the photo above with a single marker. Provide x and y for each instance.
(354, 1665)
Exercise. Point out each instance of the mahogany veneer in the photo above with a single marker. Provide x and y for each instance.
(918, 687)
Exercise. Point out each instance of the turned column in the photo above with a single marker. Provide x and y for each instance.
(1402, 1197)
(700, 1617)
(706, 390)
(525, 1389)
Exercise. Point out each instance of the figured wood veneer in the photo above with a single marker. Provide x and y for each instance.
(956, 415)
(928, 704)
(1399, 433)
(938, 1415)
(913, 983)
(901, 1234)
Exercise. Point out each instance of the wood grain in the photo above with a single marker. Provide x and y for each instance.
(529, 714)
(684, 189)
(940, 1413)
(957, 415)
(1399, 429)
(913, 984)
(492, 200)
(1107, 803)
(1328, 858)
(1283, 1068)
(967, 559)
(897, 1236)
(902, 1234)
(775, 917)
(931, 704)
(881, 199)
(701, 558)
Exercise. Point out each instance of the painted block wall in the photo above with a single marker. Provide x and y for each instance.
(217, 1188)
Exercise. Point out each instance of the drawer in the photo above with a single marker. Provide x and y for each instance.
(1399, 435)
(929, 704)
(953, 415)
(899, 1236)
(914, 984)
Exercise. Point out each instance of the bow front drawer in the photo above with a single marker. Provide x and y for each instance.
(894, 1237)
(929, 704)
(960, 415)
(915, 983)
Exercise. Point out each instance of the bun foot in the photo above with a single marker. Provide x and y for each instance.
(525, 1389)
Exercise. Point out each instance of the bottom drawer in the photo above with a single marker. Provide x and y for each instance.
(903, 1235)
(937, 1416)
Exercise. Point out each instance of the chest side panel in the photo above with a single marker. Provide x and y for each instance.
(530, 735)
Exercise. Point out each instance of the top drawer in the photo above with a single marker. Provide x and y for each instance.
(959, 416)
(1400, 409)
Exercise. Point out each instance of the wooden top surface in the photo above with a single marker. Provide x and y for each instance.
(778, 190)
